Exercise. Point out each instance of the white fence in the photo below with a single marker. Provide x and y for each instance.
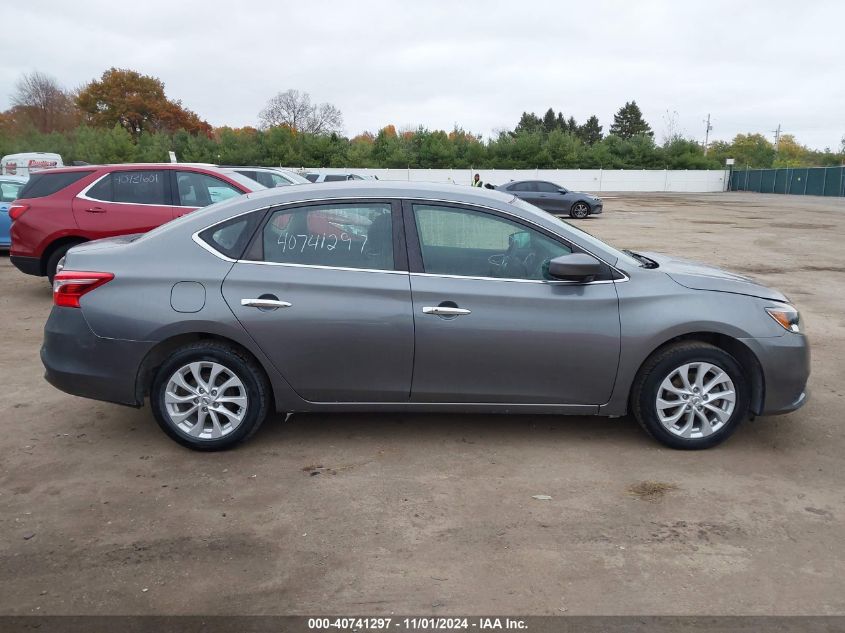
(590, 180)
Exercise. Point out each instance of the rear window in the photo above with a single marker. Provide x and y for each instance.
(48, 183)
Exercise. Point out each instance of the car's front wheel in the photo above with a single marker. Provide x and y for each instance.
(580, 210)
(691, 395)
(209, 396)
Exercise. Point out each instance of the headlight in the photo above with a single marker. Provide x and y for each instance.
(786, 316)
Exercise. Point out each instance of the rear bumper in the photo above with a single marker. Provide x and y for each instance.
(28, 265)
(80, 363)
(785, 361)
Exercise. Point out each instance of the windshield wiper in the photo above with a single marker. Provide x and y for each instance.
(645, 262)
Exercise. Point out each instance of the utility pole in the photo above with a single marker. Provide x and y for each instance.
(777, 136)
(707, 128)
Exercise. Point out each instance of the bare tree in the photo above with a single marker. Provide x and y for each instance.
(295, 110)
(326, 119)
(44, 101)
(672, 131)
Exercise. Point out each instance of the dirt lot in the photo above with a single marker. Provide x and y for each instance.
(427, 514)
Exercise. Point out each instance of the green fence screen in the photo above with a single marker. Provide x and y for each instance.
(802, 181)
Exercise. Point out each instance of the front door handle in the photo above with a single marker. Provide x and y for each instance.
(265, 303)
(95, 210)
(445, 311)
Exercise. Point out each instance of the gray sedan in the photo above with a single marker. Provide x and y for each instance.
(553, 198)
(377, 296)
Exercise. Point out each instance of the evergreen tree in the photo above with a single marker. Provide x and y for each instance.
(590, 132)
(529, 122)
(628, 122)
(549, 122)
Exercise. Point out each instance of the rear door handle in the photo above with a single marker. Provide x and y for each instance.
(265, 303)
(445, 311)
(95, 210)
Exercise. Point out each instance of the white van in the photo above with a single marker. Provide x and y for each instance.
(29, 163)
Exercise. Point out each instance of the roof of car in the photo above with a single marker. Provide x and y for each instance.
(125, 166)
(383, 189)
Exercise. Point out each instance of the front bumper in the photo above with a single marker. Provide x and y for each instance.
(785, 361)
(28, 265)
(597, 208)
(80, 363)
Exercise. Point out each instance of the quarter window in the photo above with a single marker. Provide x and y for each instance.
(472, 243)
(200, 190)
(338, 235)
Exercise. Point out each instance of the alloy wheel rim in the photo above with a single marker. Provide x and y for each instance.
(580, 210)
(205, 400)
(695, 400)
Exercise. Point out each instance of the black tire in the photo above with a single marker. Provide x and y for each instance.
(251, 375)
(579, 210)
(55, 256)
(660, 365)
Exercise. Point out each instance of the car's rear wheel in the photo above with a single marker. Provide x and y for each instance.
(209, 396)
(56, 256)
(691, 395)
(580, 210)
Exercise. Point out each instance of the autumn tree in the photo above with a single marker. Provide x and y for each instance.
(295, 110)
(40, 100)
(137, 103)
(628, 122)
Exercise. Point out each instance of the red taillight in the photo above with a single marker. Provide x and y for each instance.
(17, 210)
(70, 285)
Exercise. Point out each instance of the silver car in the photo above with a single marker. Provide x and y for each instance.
(379, 296)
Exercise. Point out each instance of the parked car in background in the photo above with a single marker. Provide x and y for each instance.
(371, 296)
(553, 198)
(268, 176)
(9, 188)
(60, 208)
(313, 176)
(28, 163)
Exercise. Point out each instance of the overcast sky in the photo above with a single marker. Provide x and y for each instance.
(751, 65)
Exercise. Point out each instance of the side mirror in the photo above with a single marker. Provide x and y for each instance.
(575, 267)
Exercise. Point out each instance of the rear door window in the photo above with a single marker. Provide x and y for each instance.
(46, 184)
(140, 187)
(547, 187)
(312, 177)
(355, 235)
(335, 177)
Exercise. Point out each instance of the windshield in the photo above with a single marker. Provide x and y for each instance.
(247, 183)
(624, 258)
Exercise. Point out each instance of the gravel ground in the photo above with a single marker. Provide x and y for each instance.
(433, 514)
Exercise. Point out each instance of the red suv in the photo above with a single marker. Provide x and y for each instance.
(60, 208)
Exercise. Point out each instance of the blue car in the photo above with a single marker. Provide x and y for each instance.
(9, 188)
